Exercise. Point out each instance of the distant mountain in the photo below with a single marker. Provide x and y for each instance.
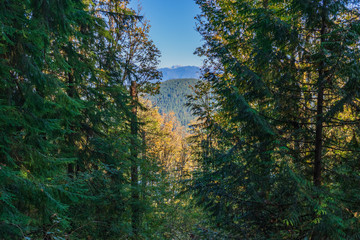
(172, 98)
(178, 72)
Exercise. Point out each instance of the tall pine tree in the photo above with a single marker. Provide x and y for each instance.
(65, 110)
(281, 162)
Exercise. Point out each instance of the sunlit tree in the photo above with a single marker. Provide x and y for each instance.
(281, 162)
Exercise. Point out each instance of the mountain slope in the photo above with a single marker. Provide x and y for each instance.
(178, 72)
(172, 98)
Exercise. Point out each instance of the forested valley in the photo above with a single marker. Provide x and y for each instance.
(172, 97)
(273, 151)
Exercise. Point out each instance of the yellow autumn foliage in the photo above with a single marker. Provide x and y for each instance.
(166, 141)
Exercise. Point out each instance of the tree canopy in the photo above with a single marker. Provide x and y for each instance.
(273, 147)
(279, 147)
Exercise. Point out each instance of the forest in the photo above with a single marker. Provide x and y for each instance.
(172, 97)
(273, 151)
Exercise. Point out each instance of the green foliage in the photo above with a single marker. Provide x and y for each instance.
(276, 143)
(64, 118)
(172, 98)
(171, 214)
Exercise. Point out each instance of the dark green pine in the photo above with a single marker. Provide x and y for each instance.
(281, 74)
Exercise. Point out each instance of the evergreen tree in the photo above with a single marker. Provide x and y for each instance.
(280, 159)
(98, 140)
(65, 109)
(140, 67)
(34, 109)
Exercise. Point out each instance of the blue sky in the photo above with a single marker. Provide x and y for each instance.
(173, 30)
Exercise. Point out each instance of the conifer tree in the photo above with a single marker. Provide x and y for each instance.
(141, 58)
(282, 152)
(34, 108)
(64, 144)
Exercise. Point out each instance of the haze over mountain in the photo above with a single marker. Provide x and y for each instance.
(179, 72)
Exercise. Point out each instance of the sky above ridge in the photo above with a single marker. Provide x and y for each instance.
(173, 30)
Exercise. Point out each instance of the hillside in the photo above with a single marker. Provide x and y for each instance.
(172, 97)
(179, 72)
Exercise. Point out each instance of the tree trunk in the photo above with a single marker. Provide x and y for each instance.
(317, 234)
(319, 135)
(143, 171)
(135, 218)
(320, 107)
(71, 94)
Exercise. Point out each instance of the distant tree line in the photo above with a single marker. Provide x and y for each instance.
(172, 98)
